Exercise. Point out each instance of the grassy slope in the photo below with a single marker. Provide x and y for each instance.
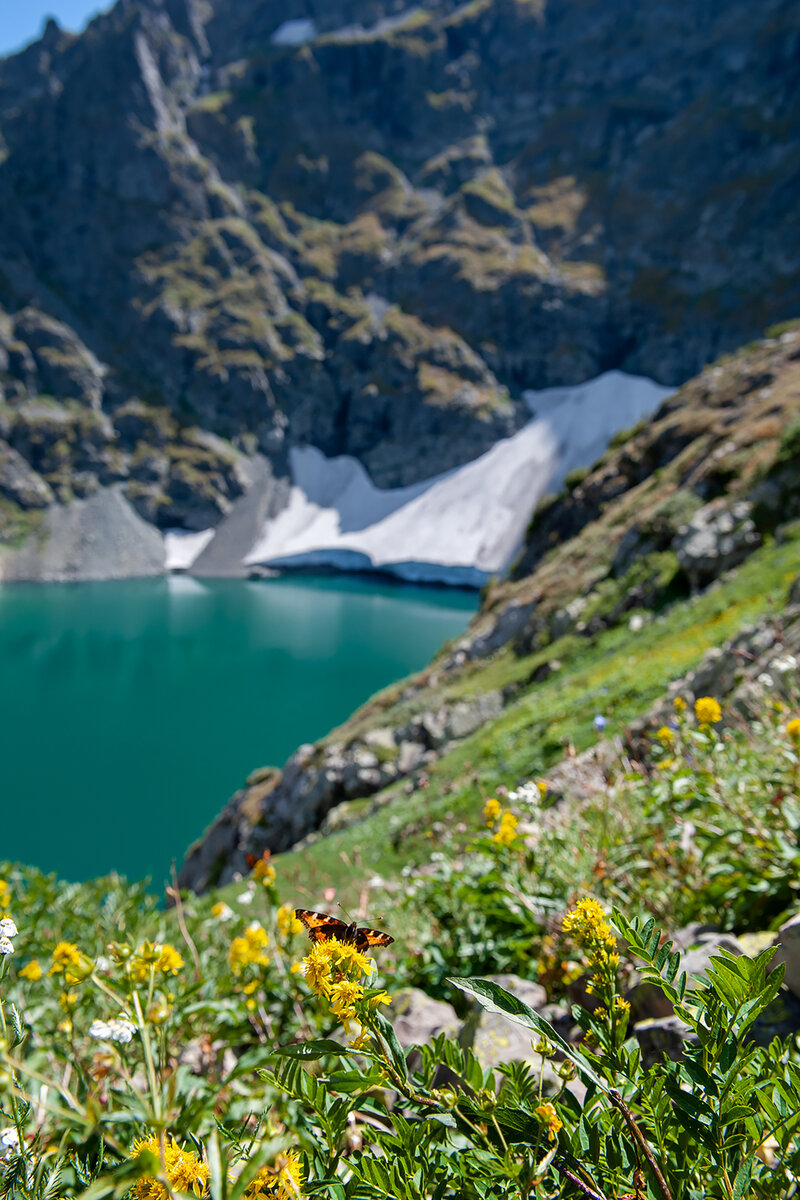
(616, 673)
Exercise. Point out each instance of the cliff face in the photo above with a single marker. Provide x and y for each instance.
(233, 228)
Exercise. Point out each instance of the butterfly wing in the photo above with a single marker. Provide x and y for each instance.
(366, 938)
(320, 926)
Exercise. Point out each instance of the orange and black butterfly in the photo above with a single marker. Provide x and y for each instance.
(321, 927)
(252, 859)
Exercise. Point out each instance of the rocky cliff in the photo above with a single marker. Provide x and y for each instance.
(232, 229)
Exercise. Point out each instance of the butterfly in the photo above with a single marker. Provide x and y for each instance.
(321, 927)
(252, 859)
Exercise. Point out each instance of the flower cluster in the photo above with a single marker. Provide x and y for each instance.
(707, 711)
(548, 1116)
(588, 926)
(507, 830)
(72, 963)
(118, 1029)
(282, 1180)
(491, 811)
(288, 924)
(184, 1170)
(528, 795)
(335, 970)
(263, 871)
(8, 930)
(155, 957)
(249, 950)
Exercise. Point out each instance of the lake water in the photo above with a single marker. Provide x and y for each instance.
(131, 711)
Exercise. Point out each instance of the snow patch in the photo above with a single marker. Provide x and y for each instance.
(294, 33)
(462, 526)
(181, 547)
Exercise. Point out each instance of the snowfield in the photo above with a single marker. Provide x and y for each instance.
(460, 527)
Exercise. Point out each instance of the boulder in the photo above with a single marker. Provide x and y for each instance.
(716, 539)
(787, 940)
(468, 715)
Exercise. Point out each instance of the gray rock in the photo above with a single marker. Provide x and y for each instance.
(97, 538)
(662, 1037)
(19, 483)
(507, 625)
(411, 756)
(787, 940)
(716, 539)
(468, 715)
(418, 1019)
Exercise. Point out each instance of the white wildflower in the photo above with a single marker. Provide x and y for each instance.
(9, 1143)
(784, 664)
(527, 795)
(6, 946)
(766, 680)
(223, 911)
(7, 928)
(118, 1029)
(245, 898)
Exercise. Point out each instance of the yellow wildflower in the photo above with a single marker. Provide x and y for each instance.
(793, 729)
(31, 971)
(679, 704)
(665, 735)
(707, 711)
(249, 950)
(343, 997)
(621, 1005)
(507, 832)
(283, 1179)
(154, 956)
(169, 960)
(550, 1119)
(70, 962)
(491, 811)
(288, 923)
(329, 962)
(264, 872)
(587, 923)
(5, 896)
(184, 1170)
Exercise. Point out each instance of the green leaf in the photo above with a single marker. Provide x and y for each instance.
(307, 1051)
(495, 999)
(390, 1037)
(743, 1177)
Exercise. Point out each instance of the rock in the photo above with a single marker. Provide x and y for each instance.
(418, 1018)
(780, 1019)
(565, 619)
(428, 729)
(19, 483)
(468, 715)
(507, 625)
(411, 756)
(716, 539)
(787, 940)
(380, 739)
(661, 1037)
(494, 1039)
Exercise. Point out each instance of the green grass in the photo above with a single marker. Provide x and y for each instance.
(617, 673)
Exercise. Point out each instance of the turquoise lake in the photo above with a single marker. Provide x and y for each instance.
(131, 711)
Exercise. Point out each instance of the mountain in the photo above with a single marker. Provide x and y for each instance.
(684, 533)
(234, 230)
